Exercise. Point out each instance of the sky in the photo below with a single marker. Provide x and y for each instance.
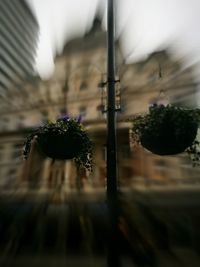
(144, 26)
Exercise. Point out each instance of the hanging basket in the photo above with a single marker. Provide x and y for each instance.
(60, 146)
(65, 139)
(166, 130)
(168, 140)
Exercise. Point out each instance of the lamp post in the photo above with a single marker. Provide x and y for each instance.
(111, 124)
(113, 253)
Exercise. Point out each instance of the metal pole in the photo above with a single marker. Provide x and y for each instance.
(111, 124)
(113, 253)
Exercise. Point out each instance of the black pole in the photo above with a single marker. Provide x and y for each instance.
(113, 253)
(111, 127)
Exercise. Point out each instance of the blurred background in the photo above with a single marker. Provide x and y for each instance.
(53, 61)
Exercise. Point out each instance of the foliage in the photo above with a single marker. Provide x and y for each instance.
(64, 134)
(158, 124)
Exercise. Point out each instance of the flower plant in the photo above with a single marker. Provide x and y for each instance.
(168, 130)
(64, 139)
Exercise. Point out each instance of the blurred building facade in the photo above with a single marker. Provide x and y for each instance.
(76, 88)
(19, 30)
(18, 43)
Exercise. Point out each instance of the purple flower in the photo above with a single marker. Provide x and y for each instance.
(79, 119)
(64, 117)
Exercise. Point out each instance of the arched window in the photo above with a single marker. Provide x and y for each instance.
(83, 86)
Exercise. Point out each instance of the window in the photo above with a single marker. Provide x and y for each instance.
(104, 153)
(11, 176)
(153, 77)
(4, 123)
(44, 115)
(11, 172)
(126, 152)
(1, 152)
(160, 163)
(63, 111)
(83, 86)
(82, 111)
(20, 121)
(17, 151)
(65, 87)
(123, 108)
(99, 111)
(127, 172)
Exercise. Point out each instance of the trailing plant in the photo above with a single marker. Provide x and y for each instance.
(168, 130)
(64, 139)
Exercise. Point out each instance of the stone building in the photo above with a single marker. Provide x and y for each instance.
(75, 88)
